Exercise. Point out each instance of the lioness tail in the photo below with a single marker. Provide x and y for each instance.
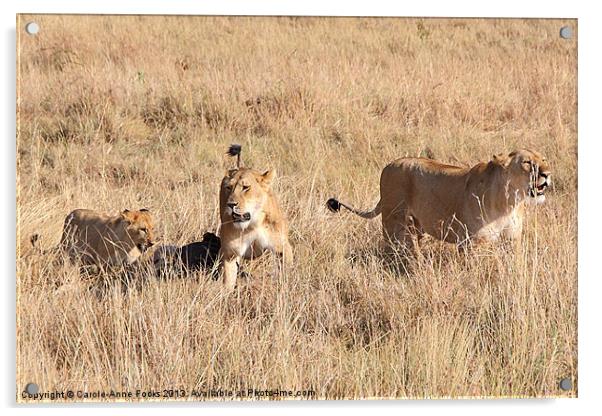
(335, 206)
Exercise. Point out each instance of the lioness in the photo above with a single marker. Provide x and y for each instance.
(251, 219)
(457, 204)
(92, 238)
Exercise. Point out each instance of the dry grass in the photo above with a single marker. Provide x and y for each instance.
(119, 112)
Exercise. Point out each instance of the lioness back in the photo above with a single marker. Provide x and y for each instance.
(416, 174)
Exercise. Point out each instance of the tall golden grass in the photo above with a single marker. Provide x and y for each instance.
(137, 111)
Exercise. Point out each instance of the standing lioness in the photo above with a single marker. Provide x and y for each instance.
(251, 219)
(457, 204)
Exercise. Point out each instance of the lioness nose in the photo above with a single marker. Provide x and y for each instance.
(544, 174)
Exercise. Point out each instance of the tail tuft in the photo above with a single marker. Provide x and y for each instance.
(235, 150)
(333, 205)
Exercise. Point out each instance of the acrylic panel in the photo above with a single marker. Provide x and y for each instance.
(295, 208)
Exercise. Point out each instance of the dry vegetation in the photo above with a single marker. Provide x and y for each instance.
(129, 112)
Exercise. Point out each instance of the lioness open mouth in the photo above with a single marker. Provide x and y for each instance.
(538, 190)
(236, 217)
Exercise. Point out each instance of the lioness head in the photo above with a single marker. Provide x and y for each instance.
(529, 173)
(139, 227)
(243, 194)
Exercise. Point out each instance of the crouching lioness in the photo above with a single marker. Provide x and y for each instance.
(92, 238)
(251, 219)
(457, 204)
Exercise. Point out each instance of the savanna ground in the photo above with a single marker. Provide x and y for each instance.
(131, 112)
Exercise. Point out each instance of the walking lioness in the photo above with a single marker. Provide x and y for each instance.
(457, 204)
(251, 219)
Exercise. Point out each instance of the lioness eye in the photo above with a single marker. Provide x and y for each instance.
(245, 188)
(143, 230)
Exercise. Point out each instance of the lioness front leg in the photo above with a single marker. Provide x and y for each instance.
(285, 257)
(513, 237)
(287, 254)
(230, 265)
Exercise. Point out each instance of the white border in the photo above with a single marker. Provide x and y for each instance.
(589, 150)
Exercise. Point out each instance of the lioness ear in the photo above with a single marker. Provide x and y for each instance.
(501, 159)
(125, 215)
(268, 176)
